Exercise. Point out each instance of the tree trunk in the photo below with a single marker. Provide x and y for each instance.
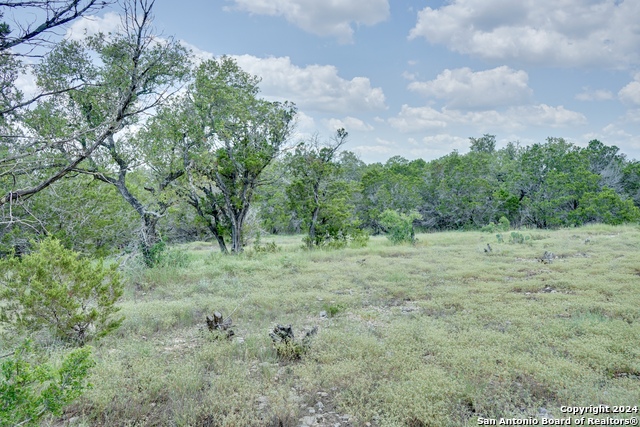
(149, 238)
(194, 201)
(314, 216)
(312, 227)
(236, 233)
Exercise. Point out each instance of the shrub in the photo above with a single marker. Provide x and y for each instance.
(359, 238)
(258, 247)
(492, 227)
(607, 207)
(504, 224)
(399, 226)
(489, 228)
(30, 390)
(519, 238)
(53, 288)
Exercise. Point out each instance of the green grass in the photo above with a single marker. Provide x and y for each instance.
(435, 334)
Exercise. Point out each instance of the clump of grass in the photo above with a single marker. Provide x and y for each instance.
(333, 309)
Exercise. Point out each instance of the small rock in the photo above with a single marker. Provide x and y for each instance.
(320, 405)
(308, 421)
(311, 410)
(322, 394)
(323, 314)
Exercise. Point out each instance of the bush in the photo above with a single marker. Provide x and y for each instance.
(399, 226)
(359, 238)
(54, 289)
(503, 225)
(258, 247)
(30, 390)
(606, 207)
(519, 238)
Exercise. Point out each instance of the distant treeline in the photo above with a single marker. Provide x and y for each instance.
(546, 185)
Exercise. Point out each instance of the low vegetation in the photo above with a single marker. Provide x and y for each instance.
(437, 333)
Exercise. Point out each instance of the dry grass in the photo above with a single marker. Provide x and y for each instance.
(435, 334)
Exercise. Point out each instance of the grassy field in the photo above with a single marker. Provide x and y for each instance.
(436, 334)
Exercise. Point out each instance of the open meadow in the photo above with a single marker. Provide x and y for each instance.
(436, 334)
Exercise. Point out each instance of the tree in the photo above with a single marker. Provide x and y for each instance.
(30, 388)
(88, 103)
(158, 154)
(551, 181)
(102, 71)
(399, 226)
(318, 194)
(399, 185)
(239, 136)
(23, 38)
(54, 289)
(484, 144)
(56, 14)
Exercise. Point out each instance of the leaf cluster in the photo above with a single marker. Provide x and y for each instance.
(54, 289)
(31, 388)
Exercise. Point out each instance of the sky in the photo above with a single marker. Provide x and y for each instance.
(417, 78)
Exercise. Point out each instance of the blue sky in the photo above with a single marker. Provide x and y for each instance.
(418, 78)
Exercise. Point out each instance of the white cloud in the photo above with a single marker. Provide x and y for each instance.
(630, 94)
(382, 141)
(602, 33)
(198, 54)
(92, 25)
(409, 76)
(362, 150)
(463, 88)
(349, 124)
(415, 119)
(324, 18)
(436, 146)
(26, 83)
(632, 116)
(594, 95)
(305, 123)
(314, 87)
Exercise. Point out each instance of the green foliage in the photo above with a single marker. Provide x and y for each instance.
(31, 389)
(606, 207)
(399, 185)
(484, 144)
(503, 225)
(54, 289)
(489, 228)
(320, 195)
(259, 247)
(333, 309)
(153, 255)
(399, 226)
(519, 238)
(238, 136)
(359, 238)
